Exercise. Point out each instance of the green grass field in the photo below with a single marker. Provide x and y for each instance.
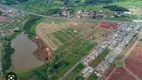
(79, 77)
(120, 63)
(36, 6)
(129, 3)
(90, 7)
(74, 73)
(56, 20)
(93, 77)
(100, 57)
(31, 24)
(39, 73)
(68, 54)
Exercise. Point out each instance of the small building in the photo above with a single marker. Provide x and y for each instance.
(87, 71)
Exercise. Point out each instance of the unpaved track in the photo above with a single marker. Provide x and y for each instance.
(131, 49)
(130, 72)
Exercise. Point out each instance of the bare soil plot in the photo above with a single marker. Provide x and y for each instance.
(133, 65)
(2, 18)
(121, 74)
(134, 62)
(49, 32)
(111, 25)
(70, 40)
(136, 10)
(88, 29)
(91, 29)
(108, 71)
(139, 45)
(43, 52)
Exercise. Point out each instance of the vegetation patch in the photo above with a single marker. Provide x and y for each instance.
(93, 77)
(79, 77)
(39, 6)
(7, 52)
(29, 28)
(116, 8)
(75, 72)
(120, 63)
(68, 54)
(39, 73)
(10, 2)
(31, 24)
(69, 59)
(100, 57)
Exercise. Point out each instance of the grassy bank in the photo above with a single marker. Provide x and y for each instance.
(30, 25)
(7, 52)
(75, 72)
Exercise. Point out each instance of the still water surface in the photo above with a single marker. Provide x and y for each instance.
(23, 57)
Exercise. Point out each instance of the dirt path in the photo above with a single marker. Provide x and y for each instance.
(131, 49)
(130, 72)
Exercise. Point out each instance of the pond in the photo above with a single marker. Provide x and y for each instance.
(23, 58)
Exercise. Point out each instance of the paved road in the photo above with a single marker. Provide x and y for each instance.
(36, 14)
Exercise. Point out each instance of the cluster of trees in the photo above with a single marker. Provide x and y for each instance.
(6, 61)
(53, 11)
(99, 1)
(7, 52)
(102, 1)
(56, 67)
(9, 2)
(116, 8)
(39, 73)
(29, 26)
(21, 1)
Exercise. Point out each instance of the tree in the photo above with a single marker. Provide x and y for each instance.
(116, 8)
(66, 2)
(99, 1)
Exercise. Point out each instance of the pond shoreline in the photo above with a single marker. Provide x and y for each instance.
(23, 57)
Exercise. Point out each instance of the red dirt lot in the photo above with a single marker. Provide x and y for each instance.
(43, 52)
(121, 74)
(109, 70)
(134, 62)
(2, 18)
(132, 70)
(130, 45)
(111, 25)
